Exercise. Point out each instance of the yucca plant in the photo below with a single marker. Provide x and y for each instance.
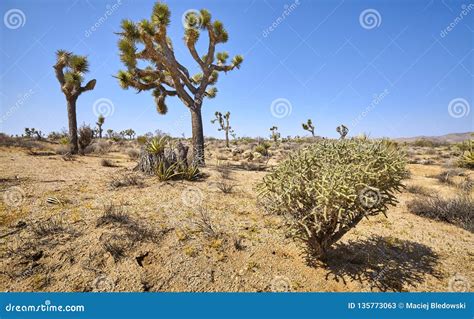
(328, 188)
(166, 173)
(157, 145)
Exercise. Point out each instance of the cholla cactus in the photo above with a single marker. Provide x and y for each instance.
(308, 126)
(342, 130)
(224, 125)
(328, 188)
(70, 70)
(275, 135)
(164, 75)
(99, 123)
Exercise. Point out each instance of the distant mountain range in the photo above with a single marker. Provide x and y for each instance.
(448, 138)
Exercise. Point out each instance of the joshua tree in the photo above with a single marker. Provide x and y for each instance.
(342, 130)
(70, 69)
(129, 132)
(224, 125)
(308, 126)
(275, 134)
(30, 132)
(164, 75)
(110, 133)
(100, 122)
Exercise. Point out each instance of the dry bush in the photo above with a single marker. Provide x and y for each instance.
(133, 154)
(446, 176)
(107, 163)
(126, 179)
(86, 135)
(418, 189)
(457, 211)
(225, 186)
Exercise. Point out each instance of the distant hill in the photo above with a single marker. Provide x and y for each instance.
(448, 138)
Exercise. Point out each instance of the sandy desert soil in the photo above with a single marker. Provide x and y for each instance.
(191, 236)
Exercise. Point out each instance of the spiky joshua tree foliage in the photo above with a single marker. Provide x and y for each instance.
(224, 125)
(99, 123)
(147, 42)
(342, 130)
(70, 70)
(308, 126)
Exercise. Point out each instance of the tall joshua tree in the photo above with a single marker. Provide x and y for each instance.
(147, 41)
(308, 126)
(275, 135)
(70, 70)
(224, 125)
(99, 123)
(342, 130)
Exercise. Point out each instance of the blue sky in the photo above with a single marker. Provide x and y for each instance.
(322, 60)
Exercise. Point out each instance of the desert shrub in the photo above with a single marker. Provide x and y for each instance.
(262, 148)
(166, 160)
(106, 163)
(142, 140)
(133, 154)
(457, 211)
(126, 179)
(418, 189)
(225, 186)
(326, 189)
(467, 159)
(86, 134)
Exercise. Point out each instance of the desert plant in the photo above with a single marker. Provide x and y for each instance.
(262, 148)
(456, 211)
(110, 133)
(467, 157)
(342, 130)
(99, 123)
(275, 135)
(224, 125)
(327, 188)
(70, 70)
(308, 126)
(165, 75)
(86, 135)
(142, 140)
(128, 132)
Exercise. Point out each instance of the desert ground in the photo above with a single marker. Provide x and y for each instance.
(92, 223)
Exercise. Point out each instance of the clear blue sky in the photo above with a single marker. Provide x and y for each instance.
(320, 57)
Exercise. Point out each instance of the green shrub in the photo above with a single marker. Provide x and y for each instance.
(262, 148)
(324, 190)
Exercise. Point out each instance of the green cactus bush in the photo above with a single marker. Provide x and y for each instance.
(466, 159)
(326, 189)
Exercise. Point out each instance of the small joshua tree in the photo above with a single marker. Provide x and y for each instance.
(99, 123)
(129, 132)
(342, 130)
(275, 135)
(308, 126)
(110, 133)
(147, 41)
(70, 70)
(224, 125)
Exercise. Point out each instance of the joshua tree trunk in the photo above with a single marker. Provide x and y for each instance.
(100, 131)
(227, 137)
(71, 114)
(198, 136)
